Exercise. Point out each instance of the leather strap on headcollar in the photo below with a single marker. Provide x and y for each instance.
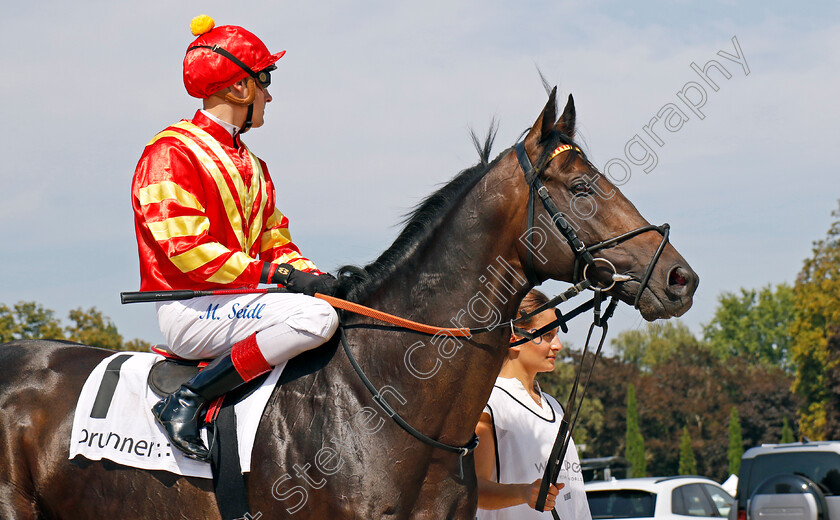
(532, 178)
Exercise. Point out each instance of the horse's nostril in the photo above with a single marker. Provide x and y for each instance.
(678, 276)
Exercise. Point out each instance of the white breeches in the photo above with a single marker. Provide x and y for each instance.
(207, 327)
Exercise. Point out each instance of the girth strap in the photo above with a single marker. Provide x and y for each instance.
(228, 480)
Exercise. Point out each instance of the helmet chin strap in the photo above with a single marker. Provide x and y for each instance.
(248, 118)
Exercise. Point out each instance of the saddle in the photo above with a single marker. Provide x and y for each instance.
(173, 371)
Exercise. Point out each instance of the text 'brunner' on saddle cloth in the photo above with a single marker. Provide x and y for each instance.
(113, 419)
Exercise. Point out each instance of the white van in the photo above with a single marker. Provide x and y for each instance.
(796, 481)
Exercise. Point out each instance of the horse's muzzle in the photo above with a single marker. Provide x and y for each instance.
(682, 282)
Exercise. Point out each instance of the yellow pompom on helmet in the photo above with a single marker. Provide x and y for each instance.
(221, 56)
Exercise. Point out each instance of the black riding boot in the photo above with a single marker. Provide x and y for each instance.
(179, 412)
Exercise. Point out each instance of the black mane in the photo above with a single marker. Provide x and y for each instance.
(358, 283)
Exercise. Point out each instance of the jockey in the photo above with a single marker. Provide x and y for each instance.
(205, 218)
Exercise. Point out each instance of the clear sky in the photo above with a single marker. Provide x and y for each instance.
(372, 107)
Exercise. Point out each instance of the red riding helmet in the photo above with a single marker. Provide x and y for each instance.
(221, 56)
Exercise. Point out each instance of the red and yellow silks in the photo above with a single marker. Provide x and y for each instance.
(204, 211)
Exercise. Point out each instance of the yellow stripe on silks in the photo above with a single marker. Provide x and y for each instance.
(295, 261)
(164, 190)
(187, 226)
(302, 264)
(232, 268)
(246, 197)
(274, 219)
(257, 185)
(274, 236)
(198, 256)
(208, 163)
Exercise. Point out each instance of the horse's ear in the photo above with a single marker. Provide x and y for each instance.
(543, 125)
(566, 123)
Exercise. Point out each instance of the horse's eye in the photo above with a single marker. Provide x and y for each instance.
(580, 188)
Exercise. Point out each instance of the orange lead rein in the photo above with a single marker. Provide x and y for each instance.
(389, 318)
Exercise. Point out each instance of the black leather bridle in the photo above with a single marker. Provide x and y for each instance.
(583, 255)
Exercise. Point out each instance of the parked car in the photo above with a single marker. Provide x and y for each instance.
(605, 468)
(796, 481)
(658, 497)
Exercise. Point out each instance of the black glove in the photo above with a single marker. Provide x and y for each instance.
(302, 282)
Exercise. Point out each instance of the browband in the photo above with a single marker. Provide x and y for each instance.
(560, 149)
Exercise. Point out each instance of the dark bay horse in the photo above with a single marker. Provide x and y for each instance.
(324, 449)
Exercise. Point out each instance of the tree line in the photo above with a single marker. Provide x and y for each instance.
(765, 369)
(31, 320)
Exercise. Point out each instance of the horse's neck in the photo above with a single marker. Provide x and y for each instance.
(467, 276)
(472, 258)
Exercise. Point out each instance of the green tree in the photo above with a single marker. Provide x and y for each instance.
(137, 345)
(28, 320)
(657, 343)
(688, 463)
(816, 297)
(693, 387)
(92, 328)
(832, 386)
(736, 442)
(787, 433)
(31, 320)
(754, 325)
(608, 440)
(634, 443)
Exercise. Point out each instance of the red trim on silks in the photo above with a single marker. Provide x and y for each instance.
(248, 360)
(272, 268)
(162, 350)
(214, 409)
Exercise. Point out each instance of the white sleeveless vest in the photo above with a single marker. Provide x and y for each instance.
(524, 434)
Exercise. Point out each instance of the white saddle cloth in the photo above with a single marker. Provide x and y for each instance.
(128, 434)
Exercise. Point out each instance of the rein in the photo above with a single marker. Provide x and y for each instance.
(355, 308)
(564, 434)
(461, 451)
(401, 324)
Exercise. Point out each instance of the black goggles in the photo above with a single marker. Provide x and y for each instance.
(262, 77)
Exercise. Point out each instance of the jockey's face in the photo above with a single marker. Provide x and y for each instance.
(262, 98)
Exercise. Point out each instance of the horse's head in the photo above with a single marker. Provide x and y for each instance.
(657, 279)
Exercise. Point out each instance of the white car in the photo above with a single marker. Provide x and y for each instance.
(672, 498)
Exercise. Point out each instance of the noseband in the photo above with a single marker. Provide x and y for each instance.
(584, 258)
